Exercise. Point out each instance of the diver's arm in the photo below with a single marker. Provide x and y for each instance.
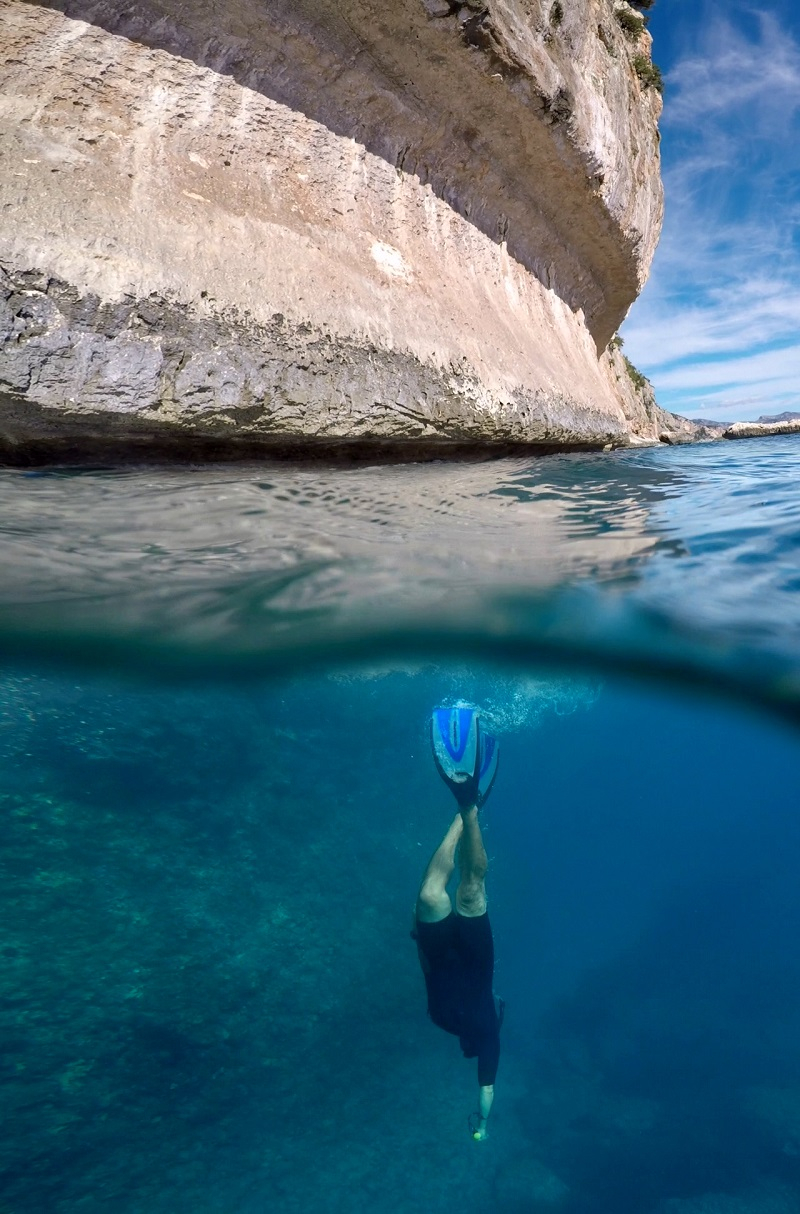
(485, 1105)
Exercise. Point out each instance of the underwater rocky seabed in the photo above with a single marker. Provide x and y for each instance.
(210, 998)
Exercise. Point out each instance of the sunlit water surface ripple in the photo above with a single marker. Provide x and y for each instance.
(681, 559)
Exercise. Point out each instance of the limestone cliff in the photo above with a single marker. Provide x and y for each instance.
(321, 222)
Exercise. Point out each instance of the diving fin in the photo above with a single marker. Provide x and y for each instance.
(456, 751)
(488, 758)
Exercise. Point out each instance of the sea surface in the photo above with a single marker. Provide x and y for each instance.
(217, 798)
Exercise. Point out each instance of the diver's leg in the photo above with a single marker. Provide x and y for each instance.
(433, 902)
(471, 892)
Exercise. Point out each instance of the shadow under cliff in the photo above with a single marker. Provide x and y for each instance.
(435, 98)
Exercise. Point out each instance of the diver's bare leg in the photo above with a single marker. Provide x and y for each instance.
(433, 901)
(471, 892)
(485, 1100)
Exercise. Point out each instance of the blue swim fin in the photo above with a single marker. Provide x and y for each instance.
(489, 756)
(456, 750)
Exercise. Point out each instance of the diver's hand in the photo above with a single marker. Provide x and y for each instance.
(477, 1127)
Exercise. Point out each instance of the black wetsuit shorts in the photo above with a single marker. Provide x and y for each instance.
(457, 958)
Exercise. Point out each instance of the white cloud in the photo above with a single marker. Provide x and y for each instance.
(757, 315)
(731, 72)
(775, 369)
(718, 322)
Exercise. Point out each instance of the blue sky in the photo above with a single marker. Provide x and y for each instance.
(717, 327)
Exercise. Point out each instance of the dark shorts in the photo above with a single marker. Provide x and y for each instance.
(467, 941)
(457, 959)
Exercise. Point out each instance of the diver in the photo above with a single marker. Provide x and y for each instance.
(455, 947)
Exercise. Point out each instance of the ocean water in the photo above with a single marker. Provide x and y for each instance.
(218, 798)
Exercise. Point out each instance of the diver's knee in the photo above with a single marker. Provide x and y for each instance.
(430, 892)
(471, 899)
(432, 903)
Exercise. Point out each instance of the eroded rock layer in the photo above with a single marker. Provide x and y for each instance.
(322, 223)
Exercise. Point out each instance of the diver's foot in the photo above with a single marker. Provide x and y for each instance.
(456, 751)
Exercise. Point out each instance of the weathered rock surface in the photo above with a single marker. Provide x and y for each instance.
(760, 429)
(410, 226)
(647, 422)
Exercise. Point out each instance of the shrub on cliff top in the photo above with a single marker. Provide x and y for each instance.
(648, 73)
(631, 23)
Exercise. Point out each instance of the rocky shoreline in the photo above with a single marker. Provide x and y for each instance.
(761, 429)
(140, 390)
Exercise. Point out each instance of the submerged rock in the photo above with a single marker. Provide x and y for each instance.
(408, 229)
(527, 1184)
(767, 1199)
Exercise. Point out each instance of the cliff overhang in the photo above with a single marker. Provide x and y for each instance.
(336, 221)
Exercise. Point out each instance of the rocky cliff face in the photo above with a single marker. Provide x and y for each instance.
(410, 225)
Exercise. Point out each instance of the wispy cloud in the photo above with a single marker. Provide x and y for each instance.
(718, 326)
(732, 71)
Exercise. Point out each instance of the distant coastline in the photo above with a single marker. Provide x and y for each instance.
(778, 423)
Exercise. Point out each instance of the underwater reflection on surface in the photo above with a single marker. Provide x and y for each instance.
(655, 559)
(210, 997)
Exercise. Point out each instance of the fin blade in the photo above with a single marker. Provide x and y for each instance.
(487, 769)
(455, 742)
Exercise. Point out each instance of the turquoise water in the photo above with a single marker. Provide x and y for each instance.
(218, 798)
